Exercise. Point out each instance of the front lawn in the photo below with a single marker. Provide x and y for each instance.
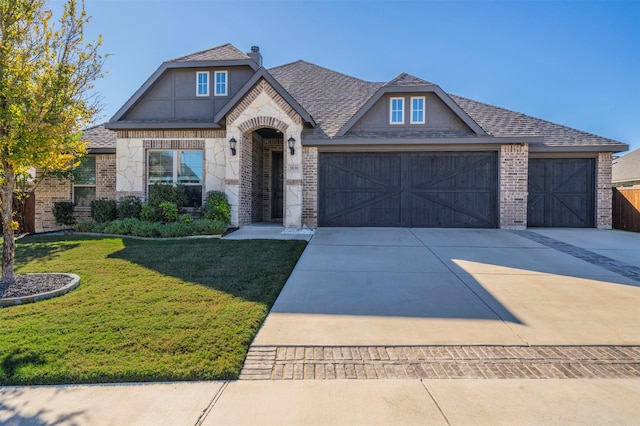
(144, 311)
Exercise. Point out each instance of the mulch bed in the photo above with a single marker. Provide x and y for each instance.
(32, 284)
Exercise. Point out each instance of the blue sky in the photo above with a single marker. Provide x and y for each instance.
(575, 63)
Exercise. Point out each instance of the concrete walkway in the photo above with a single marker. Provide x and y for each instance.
(464, 303)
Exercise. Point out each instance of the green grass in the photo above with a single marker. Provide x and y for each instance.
(144, 311)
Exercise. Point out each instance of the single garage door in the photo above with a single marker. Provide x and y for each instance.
(561, 192)
(452, 190)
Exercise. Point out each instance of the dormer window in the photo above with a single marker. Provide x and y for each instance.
(396, 111)
(417, 110)
(221, 83)
(202, 83)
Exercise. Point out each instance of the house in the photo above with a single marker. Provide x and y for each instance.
(307, 146)
(626, 170)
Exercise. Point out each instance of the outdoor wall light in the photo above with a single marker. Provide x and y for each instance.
(291, 141)
(232, 144)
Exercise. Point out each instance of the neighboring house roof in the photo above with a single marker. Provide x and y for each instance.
(626, 168)
(226, 52)
(100, 139)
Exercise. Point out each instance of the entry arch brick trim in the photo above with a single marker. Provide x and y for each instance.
(262, 121)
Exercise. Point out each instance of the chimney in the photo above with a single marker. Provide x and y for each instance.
(255, 55)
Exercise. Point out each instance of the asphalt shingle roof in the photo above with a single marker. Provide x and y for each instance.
(331, 98)
(626, 168)
(226, 52)
(502, 122)
(99, 137)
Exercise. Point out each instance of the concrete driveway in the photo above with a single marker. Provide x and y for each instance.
(383, 286)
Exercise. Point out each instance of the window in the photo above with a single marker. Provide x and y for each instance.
(397, 111)
(178, 167)
(84, 182)
(221, 83)
(202, 83)
(417, 110)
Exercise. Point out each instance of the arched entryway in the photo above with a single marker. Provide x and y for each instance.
(267, 174)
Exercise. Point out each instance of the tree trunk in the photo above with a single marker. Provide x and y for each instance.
(8, 243)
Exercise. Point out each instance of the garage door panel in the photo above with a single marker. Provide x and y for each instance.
(425, 189)
(561, 192)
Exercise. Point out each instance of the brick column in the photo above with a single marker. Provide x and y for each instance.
(310, 187)
(514, 177)
(603, 191)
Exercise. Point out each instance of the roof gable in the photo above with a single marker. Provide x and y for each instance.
(330, 97)
(262, 74)
(407, 83)
(226, 52)
(221, 56)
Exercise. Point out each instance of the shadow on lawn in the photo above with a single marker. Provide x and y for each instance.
(28, 250)
(254, 270)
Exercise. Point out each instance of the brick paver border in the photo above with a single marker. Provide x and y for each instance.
(440, 362)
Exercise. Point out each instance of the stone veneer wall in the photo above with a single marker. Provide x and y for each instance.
(513, 178)
(603, 190)
(310, 186)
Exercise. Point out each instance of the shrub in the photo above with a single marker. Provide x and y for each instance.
(169, 211)
(103, 210)
(217, 207)
(159, 193)
(175, 229)
(120, 227)
(209, 227)
(145, 229)
(149, 213)
(185, 218)
(85, 227)
(129, 207)
(63, 212)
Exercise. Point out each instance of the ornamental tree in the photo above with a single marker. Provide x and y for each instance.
(46, 75)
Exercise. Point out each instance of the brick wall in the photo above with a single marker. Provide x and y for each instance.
(256, 179)
(269, 146)
(52, 190)
(514, 173)
(603, 190)
(244, 196)
(310, 187)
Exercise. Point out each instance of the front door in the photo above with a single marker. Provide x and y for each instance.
(277, 174)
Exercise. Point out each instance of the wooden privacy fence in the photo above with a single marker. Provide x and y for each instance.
(626, 209)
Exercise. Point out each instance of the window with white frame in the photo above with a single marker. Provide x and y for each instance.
(84, 181)
(173, 167)
(221, 83)
(202, 83)
(396, 111)
(417, 110)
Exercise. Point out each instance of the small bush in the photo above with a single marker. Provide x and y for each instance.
(150, 214)
(176, 229)
(103, 210)
(129, 207)
(185, 218)
(159, 193)
(120, 227)
(145, 229)
(217, 207)
(63, 212)
(169, 211)
(209, 227)
(85, 227)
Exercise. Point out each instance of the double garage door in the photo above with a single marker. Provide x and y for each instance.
(408, 189)
(447, 189)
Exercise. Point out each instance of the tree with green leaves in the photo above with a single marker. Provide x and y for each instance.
(47, 72)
